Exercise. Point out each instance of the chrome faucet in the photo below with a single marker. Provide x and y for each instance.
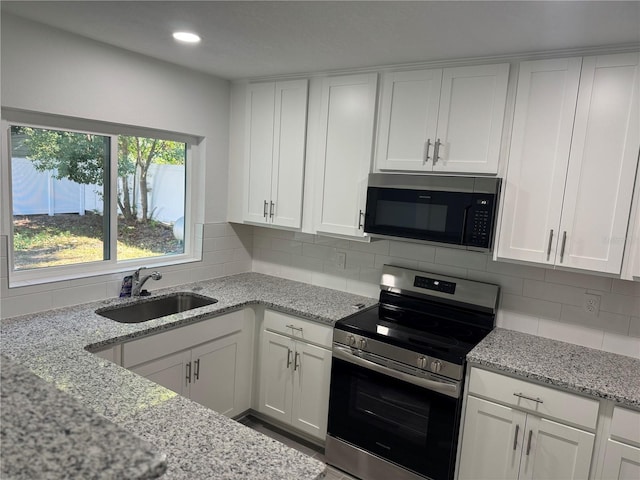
(136, 286)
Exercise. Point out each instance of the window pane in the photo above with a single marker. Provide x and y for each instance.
(151, 197)
(58, 197)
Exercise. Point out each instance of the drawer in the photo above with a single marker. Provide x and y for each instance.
(625, 425)
(553, 403)
(295, 327)
(182, 338)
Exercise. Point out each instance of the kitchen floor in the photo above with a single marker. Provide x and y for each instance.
(294, 442)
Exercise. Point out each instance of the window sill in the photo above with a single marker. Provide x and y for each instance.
(29, 278)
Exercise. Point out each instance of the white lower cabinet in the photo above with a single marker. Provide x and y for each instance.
(295, 368)
(516, 440)
(622, 449)
(215, 370)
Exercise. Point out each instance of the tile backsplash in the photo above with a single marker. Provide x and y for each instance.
(226, 250)
(534, 300)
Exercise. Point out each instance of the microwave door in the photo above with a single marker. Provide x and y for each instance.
(422, 215)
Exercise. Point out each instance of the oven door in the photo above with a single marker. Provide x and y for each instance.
(410, 425)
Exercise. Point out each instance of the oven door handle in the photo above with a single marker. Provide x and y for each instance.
(451, 389)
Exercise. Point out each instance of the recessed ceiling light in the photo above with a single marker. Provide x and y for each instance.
(186, 37)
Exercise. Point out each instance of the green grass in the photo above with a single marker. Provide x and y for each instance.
(42, 241)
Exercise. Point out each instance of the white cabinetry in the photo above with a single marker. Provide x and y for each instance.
(622, 450)
(573, 159)
(443, 120)
(345, 149)
(295, 369)
(275, 134)
(631, 262)
(523, 430)
(209, 361)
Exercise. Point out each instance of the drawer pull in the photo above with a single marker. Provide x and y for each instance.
(294, 328)
(520, 395)
(529, 442)
(515, 438)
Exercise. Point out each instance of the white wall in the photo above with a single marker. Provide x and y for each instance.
(533, 300)
(49, 71)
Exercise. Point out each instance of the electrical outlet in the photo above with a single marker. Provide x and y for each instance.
(591, 304)
(340, 259)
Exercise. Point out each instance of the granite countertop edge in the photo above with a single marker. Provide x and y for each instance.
(567, 366)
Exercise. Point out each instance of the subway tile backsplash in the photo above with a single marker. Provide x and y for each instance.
(533, 300)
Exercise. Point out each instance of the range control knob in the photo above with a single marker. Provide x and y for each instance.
(362, 343)
(422, 362)
(436, 366)
(351, 340)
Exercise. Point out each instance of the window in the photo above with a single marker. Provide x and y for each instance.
(91, 203)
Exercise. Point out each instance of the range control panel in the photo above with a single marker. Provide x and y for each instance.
(432, 284)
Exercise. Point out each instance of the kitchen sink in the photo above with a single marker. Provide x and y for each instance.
(146, 310)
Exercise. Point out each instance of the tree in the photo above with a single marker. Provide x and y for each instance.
(81, 158)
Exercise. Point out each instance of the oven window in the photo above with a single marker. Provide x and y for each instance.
(403, 423)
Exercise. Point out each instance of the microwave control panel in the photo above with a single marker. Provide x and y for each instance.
(480, 224)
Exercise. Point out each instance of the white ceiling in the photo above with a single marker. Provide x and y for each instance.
(262, 38)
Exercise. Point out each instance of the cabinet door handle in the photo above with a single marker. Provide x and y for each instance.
(426, 151)
(436, 151)
(264, 210)
(549, 245)
(289, 352)
(292, 327)
(196, 373)
(515, 437)
(189, 372)
(521, 395)
(271, 208)
(296, 363)
(360, 216)
(564, 241)
(529, 441)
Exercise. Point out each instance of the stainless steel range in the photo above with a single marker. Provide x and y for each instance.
(397, 375)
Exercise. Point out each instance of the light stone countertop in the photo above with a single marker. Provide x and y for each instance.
(564, 365)
(198, 442)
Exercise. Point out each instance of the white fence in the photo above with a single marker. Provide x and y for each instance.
(38, 193)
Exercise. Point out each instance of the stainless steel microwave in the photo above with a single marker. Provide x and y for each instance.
(458, 211)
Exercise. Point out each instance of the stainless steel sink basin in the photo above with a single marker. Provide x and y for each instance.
(146, 310)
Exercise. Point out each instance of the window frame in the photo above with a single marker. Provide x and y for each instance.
(192, 230)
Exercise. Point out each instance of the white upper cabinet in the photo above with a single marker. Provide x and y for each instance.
(631, 263)
(442, 120)
(345, 149)
(572, 165)
(275, 135)
(538, 158)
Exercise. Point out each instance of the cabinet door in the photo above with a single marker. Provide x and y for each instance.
(621, 462)
(602, 163)
(347, 119)
(538, 159)
(276, 367)
(491, 441)
(170, 372)
(290, 126)
(408, 120)
(470, 118)
(258, 151)
(214, 368)
(553, 450)
(311, 377)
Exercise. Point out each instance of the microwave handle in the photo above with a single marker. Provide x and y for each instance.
(464, 225)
